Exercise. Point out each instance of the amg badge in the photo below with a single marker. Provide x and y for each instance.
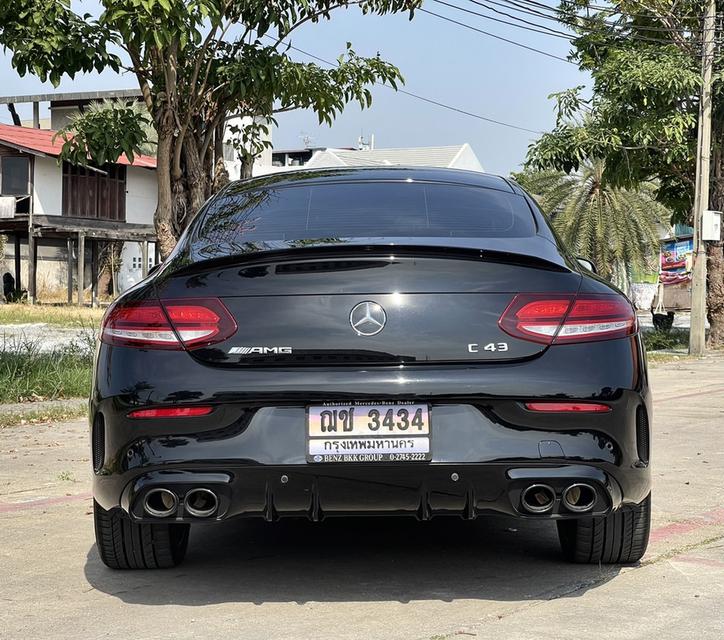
(248, 351)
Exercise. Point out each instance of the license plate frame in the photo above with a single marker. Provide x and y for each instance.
(359, 441)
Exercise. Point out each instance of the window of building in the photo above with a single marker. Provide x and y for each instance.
(88, 193)
(15, 175)
(229, 152)
(137, 262)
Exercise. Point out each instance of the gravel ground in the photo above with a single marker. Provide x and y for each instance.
(69, 404)
(45, 337)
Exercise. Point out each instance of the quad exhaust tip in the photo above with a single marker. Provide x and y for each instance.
(579, 497)
(538, 498)
(201, 503)
(160, 503)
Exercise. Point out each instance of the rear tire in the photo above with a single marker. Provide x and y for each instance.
(123, 544)
(619, 538)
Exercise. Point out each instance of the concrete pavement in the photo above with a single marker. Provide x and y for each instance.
(379, 578)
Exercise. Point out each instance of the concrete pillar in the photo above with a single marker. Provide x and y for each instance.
(70, 270)
(144, 258)
(81, 267)
(94, 273)
(32, 267)
(18, 285)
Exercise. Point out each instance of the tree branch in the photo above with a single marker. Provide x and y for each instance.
(312, 16)
(142, 81)
(209, 135)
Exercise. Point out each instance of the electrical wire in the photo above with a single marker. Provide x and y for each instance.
(495, 36)
(554, 16)
(550, 32)
(610, 10)
(419, 97)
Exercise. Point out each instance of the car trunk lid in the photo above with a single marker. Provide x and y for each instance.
(371, 305)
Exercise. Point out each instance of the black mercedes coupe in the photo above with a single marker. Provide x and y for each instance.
(369, 341)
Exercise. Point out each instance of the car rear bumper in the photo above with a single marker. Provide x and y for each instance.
(419, 490)
(486, 447)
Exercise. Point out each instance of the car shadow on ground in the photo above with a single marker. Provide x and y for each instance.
(358, 559)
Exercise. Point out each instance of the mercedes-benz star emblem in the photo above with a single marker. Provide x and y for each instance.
(367, 318)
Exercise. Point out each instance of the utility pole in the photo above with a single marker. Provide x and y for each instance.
(697, 333)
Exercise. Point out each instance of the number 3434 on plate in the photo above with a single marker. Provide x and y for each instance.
(375, 429)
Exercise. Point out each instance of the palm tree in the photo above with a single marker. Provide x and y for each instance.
(148, 147)
(616, 228)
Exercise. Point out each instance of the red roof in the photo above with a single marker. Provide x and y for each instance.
(41, 141)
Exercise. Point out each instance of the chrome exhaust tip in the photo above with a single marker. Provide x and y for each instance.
(538, 498)
(579, 497)
(160, 503)
(201, 503)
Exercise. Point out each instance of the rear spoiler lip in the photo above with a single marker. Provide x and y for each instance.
(539, 252)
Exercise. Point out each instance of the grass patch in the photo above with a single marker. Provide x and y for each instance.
(664, 357)
(666, 340)
(60, 316)
(29, 374)
(41, 416)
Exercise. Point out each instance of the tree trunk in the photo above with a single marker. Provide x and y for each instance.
(208, 169)
(196, 177)
(219, 142)
(715, 293)
(163, 219)
(221, 176)
(247, 165)
(715, 263)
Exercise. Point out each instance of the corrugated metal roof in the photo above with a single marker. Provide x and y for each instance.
(40, 141)
(74, 95)
(410, 157)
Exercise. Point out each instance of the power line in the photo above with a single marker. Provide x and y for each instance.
(549, 32)
(617, 10)
(555, 17)
(497, 37)
(513, 7)
(419, 97)
(609, 10)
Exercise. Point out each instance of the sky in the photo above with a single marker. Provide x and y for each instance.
(441, 61)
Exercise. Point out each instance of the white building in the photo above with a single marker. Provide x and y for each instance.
(459, 156)
(231, 158)
(57, 217)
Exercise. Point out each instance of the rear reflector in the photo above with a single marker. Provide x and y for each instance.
(171, 412)
(565, 318)
(560, 407)
(168, 324)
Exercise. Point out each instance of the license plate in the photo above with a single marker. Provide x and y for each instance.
(368, 433)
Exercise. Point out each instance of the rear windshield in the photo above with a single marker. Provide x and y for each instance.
(361, 210)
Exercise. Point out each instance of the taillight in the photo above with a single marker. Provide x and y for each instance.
(556, 319)
(563, 407)
(171, 412)
(168, 324)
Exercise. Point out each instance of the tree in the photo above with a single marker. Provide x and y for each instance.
(196, 63)
(614, 227)
(87, 134)
(644, 58)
